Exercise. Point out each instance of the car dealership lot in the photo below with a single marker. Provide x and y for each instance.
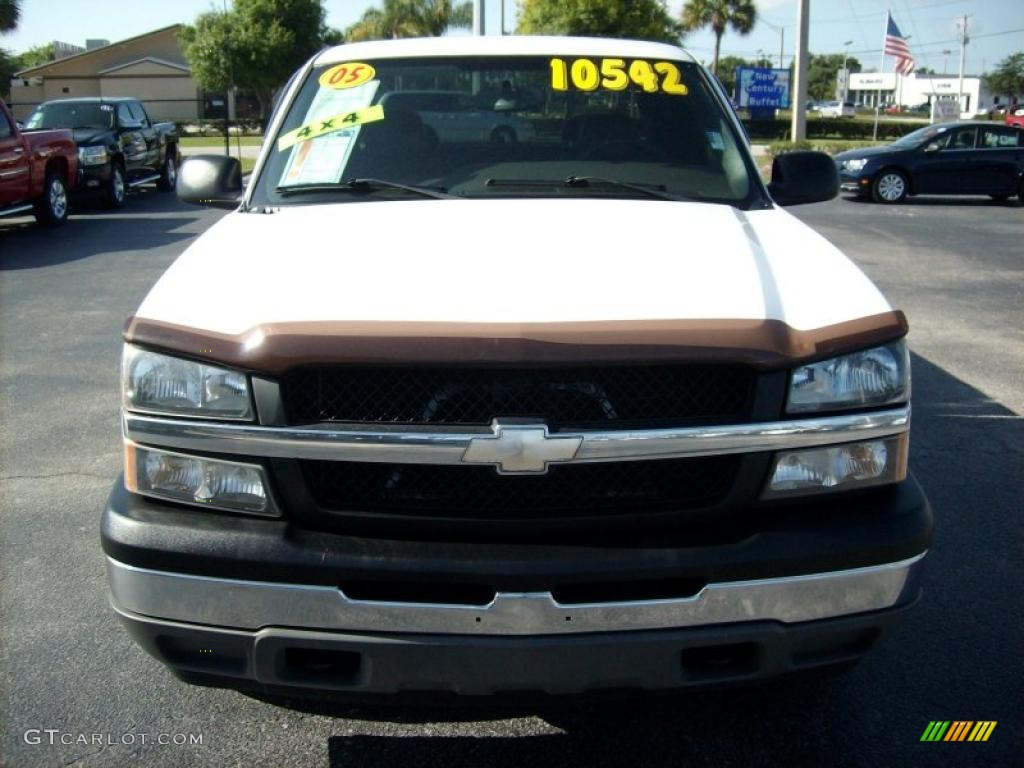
(954, 266)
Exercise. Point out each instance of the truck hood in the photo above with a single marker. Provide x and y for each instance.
(89, 136)
(510, 263)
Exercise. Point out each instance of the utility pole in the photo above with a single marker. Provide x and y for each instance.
(798, 128)
(846, 70)
(963, 54)
(782, 37)
(479, 25)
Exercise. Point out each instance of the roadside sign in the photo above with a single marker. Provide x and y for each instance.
(762, 87)
(945, 110)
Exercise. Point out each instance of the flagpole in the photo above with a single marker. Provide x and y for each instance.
(881, 71)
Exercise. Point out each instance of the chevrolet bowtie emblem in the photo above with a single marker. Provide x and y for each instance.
(521, 449)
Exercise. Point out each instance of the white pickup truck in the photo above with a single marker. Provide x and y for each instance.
(581, 410)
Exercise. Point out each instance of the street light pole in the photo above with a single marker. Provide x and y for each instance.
(963, 54)
(798, 127)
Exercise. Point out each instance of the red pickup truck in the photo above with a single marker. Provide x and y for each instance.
(37, 170)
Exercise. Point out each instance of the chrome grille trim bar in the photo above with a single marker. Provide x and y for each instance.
(410, 446)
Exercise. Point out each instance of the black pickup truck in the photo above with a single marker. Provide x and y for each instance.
(118, 145)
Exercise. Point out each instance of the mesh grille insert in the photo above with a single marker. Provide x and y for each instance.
(562, 397)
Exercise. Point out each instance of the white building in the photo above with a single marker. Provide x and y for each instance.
(884, 88)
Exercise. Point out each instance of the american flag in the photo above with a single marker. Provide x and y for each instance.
(896, 45)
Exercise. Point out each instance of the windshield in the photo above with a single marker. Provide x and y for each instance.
(71, 115)
(515, 126)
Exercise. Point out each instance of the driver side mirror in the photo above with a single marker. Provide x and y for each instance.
(803, 177)
(214, 181)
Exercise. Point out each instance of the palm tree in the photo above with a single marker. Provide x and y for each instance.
(719, 14)
(410, 18)
(9, 13)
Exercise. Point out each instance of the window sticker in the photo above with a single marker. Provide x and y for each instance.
(321, 155)
(330, 124)
(616, 75)
(715, 140)
(351, 74)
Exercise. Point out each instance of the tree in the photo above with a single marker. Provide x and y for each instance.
(638, 19)
(727, 67)
(8, 66)
(821, 74)
(256, 45)
(410, 18)
(10, 12)
(1008, 77)
(34, 56)
(740, 15)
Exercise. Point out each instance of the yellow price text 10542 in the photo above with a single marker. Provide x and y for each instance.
(616, 75)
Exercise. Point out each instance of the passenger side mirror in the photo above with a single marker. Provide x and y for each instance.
(214, 181)
(932, 148)
(803, 177)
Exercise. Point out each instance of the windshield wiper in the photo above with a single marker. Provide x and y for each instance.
(364, 186)
(658, 191)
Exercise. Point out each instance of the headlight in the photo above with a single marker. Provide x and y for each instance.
(874, 376)
(839, 467)
(211, 483)
(855, 165)
(92, 155)
(155, 383)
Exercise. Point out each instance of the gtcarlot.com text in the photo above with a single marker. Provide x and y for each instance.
(55, 736)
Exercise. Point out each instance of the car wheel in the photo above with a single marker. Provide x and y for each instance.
(889, 187)
(52, 207)
(503, 135)
(116, 186)
(168, 174)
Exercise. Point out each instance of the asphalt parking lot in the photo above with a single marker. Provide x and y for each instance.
(955, 266)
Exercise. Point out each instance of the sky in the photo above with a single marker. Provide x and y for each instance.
(996, 26)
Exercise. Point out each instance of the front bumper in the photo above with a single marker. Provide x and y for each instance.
(92, 178)
(858, 183)
(260, 602)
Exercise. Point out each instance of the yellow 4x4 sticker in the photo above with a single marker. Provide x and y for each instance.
(616, 75)
(329, 125)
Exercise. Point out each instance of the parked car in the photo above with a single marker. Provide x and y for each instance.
(965, 158)
(460, 116)
(837, 109)
(118, 146)
(1015, 116)
(584, 412)
(37, 171)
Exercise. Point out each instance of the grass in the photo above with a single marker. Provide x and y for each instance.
(248, 163)
(203, 142)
